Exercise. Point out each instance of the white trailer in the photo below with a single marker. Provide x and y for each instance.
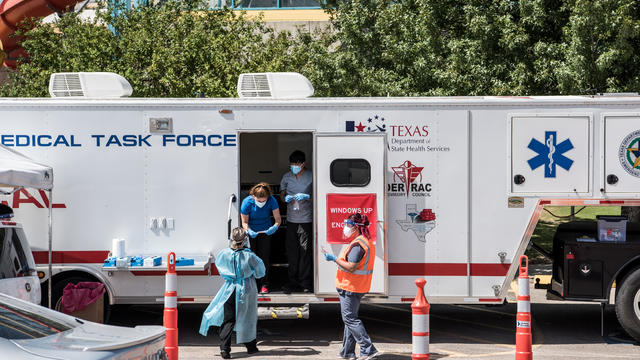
(458, 183)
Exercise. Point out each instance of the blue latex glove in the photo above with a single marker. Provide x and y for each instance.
(301, 196)
(252, 234)
(272, 229)
(330, 257)
(288, 198)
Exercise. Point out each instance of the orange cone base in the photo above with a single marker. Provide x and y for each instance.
(171, 339)
(524, 356)
(523, 346)
(420, 356)
(172, 352)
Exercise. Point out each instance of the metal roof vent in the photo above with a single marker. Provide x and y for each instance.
(89, 84)
(288, 85)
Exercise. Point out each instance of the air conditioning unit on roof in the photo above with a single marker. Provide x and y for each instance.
(286, 85)
(89, 85)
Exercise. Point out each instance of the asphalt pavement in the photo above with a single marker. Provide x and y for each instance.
(560, 331)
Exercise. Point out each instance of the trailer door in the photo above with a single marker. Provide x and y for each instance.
(349, 177)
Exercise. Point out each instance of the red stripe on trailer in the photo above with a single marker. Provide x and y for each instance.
(447, 269)
(264, 299)
(545, 202)
(331, 299)
(11, 223)
(72, 257)
(612, 202)
(413, 333)
(489, 269)
(186, 299)
(407, 299)
(427, 269)
(490, 300)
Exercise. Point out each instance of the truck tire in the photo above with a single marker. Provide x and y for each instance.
(58, 287)
(628, 304)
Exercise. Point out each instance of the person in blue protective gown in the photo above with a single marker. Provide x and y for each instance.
(235, 306)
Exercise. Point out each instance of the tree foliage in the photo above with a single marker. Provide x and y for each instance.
(372, 48)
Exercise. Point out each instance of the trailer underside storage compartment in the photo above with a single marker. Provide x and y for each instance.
(584, 269)
(583, 266)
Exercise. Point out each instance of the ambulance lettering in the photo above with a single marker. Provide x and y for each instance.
(23, 196)
(413, 131)
(11, 140)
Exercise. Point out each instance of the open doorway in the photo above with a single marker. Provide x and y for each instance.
(264, 157)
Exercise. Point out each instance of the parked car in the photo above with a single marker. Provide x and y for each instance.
(18, 276)
(30, 331)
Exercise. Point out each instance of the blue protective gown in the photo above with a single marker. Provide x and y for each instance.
(238, 268)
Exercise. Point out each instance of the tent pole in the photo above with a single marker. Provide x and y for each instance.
(50, 247)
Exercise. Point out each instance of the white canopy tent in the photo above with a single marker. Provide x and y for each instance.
(18, 171)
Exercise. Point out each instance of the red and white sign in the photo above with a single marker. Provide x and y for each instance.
(340, 206)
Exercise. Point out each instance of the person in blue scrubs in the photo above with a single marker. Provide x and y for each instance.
(256, 211)
(235, 306)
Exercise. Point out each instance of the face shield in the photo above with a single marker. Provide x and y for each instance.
(348, 229)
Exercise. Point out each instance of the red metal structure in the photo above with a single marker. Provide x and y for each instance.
(13, 12)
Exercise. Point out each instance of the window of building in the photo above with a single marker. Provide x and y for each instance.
(266, 4)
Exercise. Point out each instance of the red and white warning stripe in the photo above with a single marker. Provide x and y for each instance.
(420, 323)
(523, 317)
(171, 308)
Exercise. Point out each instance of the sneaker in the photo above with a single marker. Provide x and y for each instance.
(252, 350)
(372, 356)
(225, 354)
(350, 357)
(264, 290)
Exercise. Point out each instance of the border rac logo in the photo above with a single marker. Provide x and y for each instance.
(629, 153)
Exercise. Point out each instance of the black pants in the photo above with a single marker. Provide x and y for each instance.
(261, 245)
(228, 322)
(300, 255)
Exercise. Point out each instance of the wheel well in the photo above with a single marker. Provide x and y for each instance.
(61, 276)
(625, 270)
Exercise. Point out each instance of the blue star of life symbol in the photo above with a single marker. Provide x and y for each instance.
(550, 154)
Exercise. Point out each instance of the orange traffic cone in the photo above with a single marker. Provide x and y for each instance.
(420, 324)
(171, 308)
(523, 317)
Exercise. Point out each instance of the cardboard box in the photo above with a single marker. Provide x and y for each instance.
(94, 312)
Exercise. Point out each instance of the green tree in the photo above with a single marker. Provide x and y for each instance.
(602, 40)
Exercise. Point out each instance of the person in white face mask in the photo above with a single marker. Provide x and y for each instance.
(353, 281)
(295, 190)
(256, 211)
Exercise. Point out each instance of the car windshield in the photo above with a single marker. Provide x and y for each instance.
(16, 322)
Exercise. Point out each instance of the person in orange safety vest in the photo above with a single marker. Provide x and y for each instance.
(353, 281)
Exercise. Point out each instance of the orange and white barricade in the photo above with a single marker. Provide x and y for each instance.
(171, 308)
(523, 317)
(420, 324)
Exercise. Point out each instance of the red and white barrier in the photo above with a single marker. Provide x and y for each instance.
(171, 308)
(523, 317)
(420, 323)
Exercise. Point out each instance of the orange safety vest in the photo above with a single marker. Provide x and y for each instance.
(358, 281)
